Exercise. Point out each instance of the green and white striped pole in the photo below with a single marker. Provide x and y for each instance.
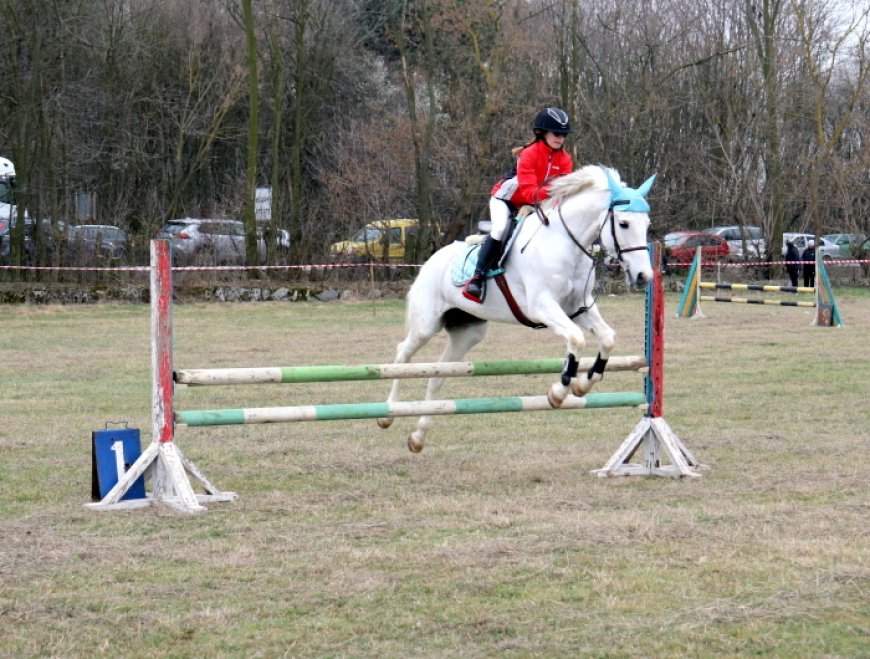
(344, 411)
(338, 373)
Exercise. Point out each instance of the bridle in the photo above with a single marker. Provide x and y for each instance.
(610, 217)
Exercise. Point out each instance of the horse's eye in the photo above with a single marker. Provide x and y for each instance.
(623, 225)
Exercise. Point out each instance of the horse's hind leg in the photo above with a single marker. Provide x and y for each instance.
(418, 336)
(463, 333)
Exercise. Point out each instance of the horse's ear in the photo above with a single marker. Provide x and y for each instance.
(644, 189)
(615, 188)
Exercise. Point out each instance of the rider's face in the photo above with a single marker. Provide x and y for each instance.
(554, 141)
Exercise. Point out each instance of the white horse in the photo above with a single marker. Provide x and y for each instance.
(551, 274)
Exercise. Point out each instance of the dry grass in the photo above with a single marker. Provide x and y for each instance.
(494, 541)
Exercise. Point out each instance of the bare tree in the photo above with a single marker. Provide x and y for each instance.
(26, 129)
(823, 50)
(420, 17)
(354, 110)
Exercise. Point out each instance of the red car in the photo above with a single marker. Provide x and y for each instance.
(681, 246)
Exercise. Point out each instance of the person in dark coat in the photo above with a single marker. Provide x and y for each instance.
(809, 266)
(792, 266)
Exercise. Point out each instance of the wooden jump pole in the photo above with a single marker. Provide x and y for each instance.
(761, 288)
(346, 411)
(335, 373)
(758, 300)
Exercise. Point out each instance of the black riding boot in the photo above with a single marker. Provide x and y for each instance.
(488, 256)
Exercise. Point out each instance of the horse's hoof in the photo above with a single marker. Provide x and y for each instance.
(385, 422)
(556, 395)
(581, 386)
(413, 445)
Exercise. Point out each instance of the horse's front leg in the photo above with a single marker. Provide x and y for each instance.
(593, 321)
(548, 311)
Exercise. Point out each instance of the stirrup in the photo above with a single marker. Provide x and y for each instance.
(478, 294)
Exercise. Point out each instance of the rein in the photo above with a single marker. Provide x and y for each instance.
(574, 238)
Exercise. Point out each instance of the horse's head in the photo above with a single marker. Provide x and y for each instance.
(624, 231)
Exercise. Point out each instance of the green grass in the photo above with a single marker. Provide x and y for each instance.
(496, 540)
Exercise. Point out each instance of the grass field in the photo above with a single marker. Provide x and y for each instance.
(495, 541)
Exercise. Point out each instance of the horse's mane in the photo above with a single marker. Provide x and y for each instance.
(585, 178)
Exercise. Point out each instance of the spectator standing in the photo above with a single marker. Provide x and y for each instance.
(792, 266)
(809, 265)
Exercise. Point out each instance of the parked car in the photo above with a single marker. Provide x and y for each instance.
(4, 242)
(48, 231)
(827, 249)
(105, 242)
(756, 243)
(383, 240)
(207, 241)
(680, 246)
(847, 243)
(282, 238)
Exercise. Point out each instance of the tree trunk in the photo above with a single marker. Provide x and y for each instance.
(251, 256)
(766, 47)
(279, 77)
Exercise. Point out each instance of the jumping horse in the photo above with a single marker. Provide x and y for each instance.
(550, 276)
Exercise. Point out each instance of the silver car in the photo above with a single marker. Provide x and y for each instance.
(756, 244)
(849, 244)
(207, 241)
(827, 249)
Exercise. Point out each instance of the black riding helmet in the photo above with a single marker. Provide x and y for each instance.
(553, 120)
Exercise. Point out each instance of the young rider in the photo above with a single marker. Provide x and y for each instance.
(539, 161)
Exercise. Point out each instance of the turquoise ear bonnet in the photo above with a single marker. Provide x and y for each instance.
(629, 200)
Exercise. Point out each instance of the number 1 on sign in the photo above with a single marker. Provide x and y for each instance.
(118, 448)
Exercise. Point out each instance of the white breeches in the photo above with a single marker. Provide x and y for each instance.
(500, 215)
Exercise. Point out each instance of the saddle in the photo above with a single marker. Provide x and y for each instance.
(462, 267)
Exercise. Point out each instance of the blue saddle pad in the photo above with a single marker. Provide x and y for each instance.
(463, 265)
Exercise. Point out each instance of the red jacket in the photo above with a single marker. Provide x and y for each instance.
(536, 165)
